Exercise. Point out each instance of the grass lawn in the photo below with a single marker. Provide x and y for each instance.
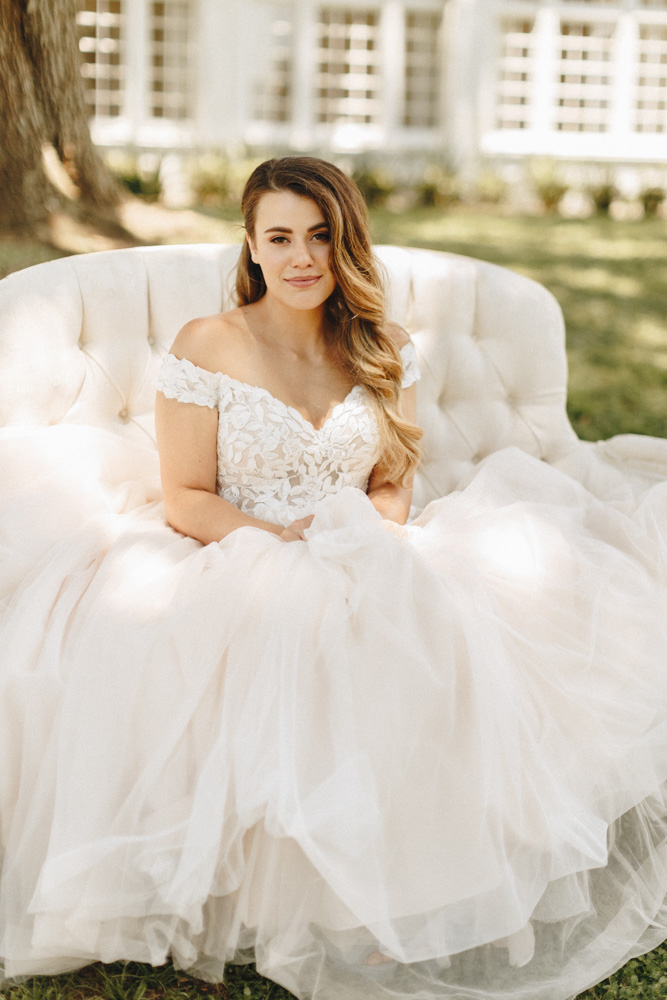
(610, 279)
(643, 978)
(17, 253)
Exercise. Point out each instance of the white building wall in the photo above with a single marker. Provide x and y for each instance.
(220, 75)
(575, 79)
(585, 63)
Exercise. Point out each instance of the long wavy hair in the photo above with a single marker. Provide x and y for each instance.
(355, 311)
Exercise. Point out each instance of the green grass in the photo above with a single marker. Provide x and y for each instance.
(135, 981)
(643, 978)
(18, 253)
(610, 280)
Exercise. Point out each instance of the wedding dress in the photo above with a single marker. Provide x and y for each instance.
(450, 746)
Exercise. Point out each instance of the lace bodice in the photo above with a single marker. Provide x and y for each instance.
(273, 463)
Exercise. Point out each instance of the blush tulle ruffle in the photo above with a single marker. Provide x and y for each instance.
(450, 746)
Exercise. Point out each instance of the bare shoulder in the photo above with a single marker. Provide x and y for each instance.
(210, 341)
(396, 333)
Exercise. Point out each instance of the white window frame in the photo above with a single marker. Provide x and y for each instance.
(620, 142)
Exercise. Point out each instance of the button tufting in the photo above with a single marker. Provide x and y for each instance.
(123, 414)
(151, 339)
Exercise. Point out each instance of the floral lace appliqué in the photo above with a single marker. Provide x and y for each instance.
(272, 463)
(411, 373)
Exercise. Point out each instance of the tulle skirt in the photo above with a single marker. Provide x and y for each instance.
(449, 746)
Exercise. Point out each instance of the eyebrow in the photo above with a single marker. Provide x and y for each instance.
(284, 229)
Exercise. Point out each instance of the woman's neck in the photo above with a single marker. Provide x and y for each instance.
(297, 331)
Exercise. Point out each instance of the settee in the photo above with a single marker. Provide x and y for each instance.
(81, 340)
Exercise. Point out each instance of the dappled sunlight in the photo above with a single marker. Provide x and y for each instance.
(156, 224)
(610, 279)
(141, 579)
(597, 279)
(653, 336)
(510, 551)
(611, 246)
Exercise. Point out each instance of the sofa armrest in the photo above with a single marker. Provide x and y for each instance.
(639, 453)
(619, 470)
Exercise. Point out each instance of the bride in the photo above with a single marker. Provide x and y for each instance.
(381, 756)
(309, 334)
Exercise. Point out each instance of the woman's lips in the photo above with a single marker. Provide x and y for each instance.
(303, 282)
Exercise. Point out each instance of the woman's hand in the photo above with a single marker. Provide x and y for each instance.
(394, 528)
(294, 532)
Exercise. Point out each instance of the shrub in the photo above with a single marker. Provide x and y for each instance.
(547, 182)
(652, 199)
(603, 195)
(376, 183)
(438, 185)
(218, 182)
(140, 175)
(489, 187)
(208, 180)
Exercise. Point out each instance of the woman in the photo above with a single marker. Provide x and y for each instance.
(388, 759)
(310, 329)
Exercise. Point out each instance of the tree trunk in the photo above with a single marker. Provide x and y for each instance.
(42, 101)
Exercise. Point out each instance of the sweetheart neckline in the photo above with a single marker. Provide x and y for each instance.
(275, 399)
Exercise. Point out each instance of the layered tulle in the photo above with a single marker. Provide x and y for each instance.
(450, 746)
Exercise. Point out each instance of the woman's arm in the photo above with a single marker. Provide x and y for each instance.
(187, 442)
(390, 499)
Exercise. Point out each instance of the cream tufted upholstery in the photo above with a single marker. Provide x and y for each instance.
(81, 340)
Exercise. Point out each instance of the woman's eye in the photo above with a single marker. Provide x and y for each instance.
(279, 239)
(321, 237)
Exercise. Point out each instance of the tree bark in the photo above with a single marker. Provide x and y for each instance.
(42, 101)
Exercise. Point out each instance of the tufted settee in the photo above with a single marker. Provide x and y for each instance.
(81, 340)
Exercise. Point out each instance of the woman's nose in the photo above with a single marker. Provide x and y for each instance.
(301, 255)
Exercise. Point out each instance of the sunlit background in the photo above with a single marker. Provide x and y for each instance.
(462, 84)
(531, 133)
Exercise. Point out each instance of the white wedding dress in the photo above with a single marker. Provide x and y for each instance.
(451, 747)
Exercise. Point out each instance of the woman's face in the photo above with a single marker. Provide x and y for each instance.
(292, 245)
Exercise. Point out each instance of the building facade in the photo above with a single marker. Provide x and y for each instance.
(581, 80)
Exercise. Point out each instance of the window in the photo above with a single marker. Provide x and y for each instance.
(273, 93)
(422, 69)
(651, 108)
(101, 24)
(348, 66)
(171, 59)
(515, 73)
(583, 88)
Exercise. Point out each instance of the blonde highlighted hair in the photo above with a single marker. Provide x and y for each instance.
(355, 311)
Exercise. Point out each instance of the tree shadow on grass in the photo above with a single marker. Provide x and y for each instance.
(609, 279)
(139, 981)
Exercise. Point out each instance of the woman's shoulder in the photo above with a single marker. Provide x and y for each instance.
(397, 334)
(405, 347)
(210, 342)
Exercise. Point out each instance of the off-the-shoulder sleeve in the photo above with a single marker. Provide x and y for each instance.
(411, 371)
(180, 379)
